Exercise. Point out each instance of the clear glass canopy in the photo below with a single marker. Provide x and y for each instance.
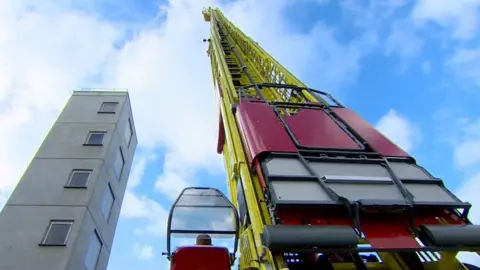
(198, 211)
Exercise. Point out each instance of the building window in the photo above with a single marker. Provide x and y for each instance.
(119, 162)
(57, 233)
(95, 138)
(93, 252)
(128, 132)
(107, 203)
(108, 107)
(78, 179)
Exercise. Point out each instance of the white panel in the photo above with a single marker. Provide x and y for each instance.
(408, 171)
(354, 181)
(349, 169)
(355, 192)
(352, 178)
(286, 166)
(429, 193)
(299, 191)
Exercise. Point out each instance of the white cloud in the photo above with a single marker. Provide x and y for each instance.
(372, 17)
(467, 159)
(371, 14)
(464, 64)
(461, 16)
(403, 40)
(147, 209)
(467, 153)
(143, 251)
(468, 192)
(167, 72)
(136, 206)
(44, 54)
(400, 130)
(172, 183)
(140, 162)
(460, 19)
(467, 145)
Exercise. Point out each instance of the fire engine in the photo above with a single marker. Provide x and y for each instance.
(311, 184)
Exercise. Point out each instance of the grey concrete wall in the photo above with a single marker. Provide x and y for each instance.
(40, 195)
(79, 250)
(23, 228)
(48, 178)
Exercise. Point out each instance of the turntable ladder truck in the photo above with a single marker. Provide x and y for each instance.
(312, 184)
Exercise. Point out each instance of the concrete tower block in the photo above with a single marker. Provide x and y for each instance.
(64, 211)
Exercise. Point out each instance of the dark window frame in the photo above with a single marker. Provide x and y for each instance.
(129, 126)
(90, 133)
(68, 185)
(122, 156)
(49, 229)
(103, 110)
(109, 214)
(97, 236)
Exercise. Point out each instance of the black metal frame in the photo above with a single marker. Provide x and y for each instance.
(354, 208)
(170, 231)
(339, 201)
(296, 89)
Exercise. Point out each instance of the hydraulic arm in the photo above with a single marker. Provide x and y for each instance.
(315, 185)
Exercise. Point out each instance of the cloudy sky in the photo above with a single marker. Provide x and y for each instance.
(412, 68)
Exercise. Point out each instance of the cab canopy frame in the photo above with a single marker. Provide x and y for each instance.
(202, 210)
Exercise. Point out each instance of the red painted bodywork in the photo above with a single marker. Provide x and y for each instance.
(388, 232)
(379, 142)
(261, 179)
(200, 257)
(384, 232)
(314, 128)
(262, 131)
(221, 134)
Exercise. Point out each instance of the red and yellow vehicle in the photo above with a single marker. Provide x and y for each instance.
(312, 185)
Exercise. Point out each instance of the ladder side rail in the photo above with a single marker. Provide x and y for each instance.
(238, 163)
(264, 62)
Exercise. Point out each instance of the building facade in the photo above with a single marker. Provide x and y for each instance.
(64, 211)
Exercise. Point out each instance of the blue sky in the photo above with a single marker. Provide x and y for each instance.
(411, 68)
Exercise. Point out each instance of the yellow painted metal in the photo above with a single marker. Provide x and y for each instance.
(270, 70)
(206, 16)
(235, 159)
(263, 68)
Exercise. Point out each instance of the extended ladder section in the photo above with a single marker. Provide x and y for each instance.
(330, 180)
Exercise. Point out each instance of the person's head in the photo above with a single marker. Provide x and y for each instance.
(204, 240)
